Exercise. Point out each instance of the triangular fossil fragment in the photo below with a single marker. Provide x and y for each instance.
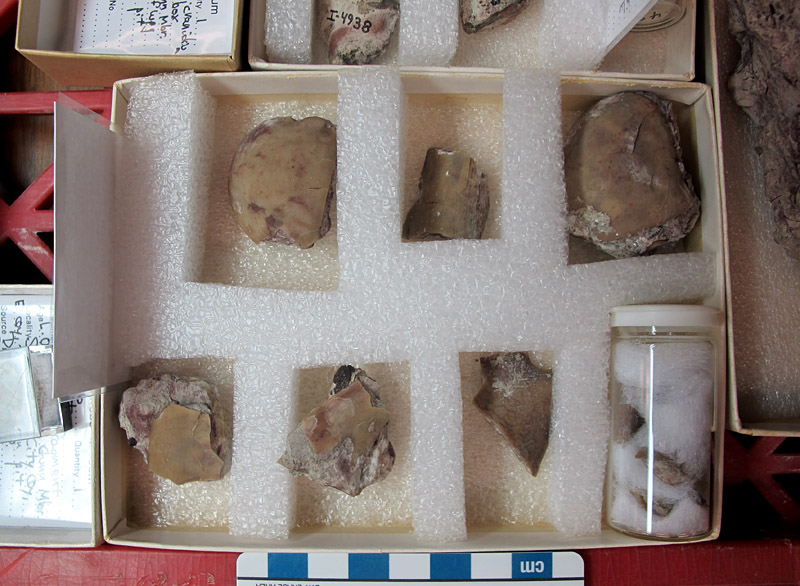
(516, 398)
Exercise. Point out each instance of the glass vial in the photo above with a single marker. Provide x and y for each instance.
(665, 13)
(664, 374)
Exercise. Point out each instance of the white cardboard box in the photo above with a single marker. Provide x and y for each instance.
(665, 54)
(742, 187)
(28, 532)
(85, 183)
(44, 28)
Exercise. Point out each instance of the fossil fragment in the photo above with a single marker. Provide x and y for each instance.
(662, 507)
(453, 199)
(343, 443)
(180, 446)
(192, 442)
(282, 180)
(666, 469)
(628, 191)
(478, 15)
(357, 32)
(516, 398)
(766, 84)
(629, 422)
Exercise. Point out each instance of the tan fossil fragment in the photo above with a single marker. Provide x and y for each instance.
(516, 398)
(453, 199)
(180, 446)
(282, 180)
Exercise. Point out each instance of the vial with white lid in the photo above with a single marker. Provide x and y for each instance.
(665, 371)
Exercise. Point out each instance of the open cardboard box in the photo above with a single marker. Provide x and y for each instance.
(85, 295)
(762, 280)
(663, 54)
(30, 533)
(44, 36)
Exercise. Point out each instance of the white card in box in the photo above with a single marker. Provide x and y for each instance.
(166, 304)
(49, 485)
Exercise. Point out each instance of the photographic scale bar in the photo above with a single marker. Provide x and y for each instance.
(412, 569)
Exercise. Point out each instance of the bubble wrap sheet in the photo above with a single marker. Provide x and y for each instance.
(288, 30)
(421, 304)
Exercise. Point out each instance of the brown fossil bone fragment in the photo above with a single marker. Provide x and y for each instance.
(343, 443)
(766, 84)
(516, 398)
(478, 15)
(283, 179)
(453, 199)
(357, 32)
(179, 426)
(665, 468)
(628, 191)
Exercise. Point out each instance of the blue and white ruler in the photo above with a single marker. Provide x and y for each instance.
(412, 569)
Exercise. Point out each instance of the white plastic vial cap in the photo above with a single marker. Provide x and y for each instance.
(678, 316)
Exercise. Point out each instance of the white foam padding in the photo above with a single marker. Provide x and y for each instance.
(572, 37)
(420, 303)
(289, 30)
(428, 32)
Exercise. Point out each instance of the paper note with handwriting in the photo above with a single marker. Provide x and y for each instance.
(155, 27)
(47, 481)
(25, 320)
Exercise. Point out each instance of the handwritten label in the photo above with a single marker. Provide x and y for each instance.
(48, 480)
(622, 17)
(155, 27)
(25, 320)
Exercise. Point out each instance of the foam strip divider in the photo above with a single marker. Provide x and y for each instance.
(573, 34)
(262, 499)
(428, 32)
(289, 30)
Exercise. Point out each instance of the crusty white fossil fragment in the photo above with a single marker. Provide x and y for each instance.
(179, 426)
(357, 32)
(628, 191)
(343, 443)
(283, 179)
(453, 199)
(477, 15)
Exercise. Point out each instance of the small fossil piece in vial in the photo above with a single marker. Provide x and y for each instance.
(179, 426)
(357, 32)
(453, 199)
(478, 15)
(666, 469)
(516, 398)
(628, 191)
(283, 179)
(343, 443)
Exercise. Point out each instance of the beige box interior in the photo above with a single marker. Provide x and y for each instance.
(665, 54)
(695, 116)
(60, 537)
(41, 34)
(740, 178)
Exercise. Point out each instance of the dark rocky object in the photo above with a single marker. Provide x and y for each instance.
(283, 179)
(628, 191)
(343, 443)
(478, 15)
(666, 469)
(766, 84)
(177, 438)
(629, 422)
(661, 507)
(357, 32)
(516, 398)
(453, 199)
